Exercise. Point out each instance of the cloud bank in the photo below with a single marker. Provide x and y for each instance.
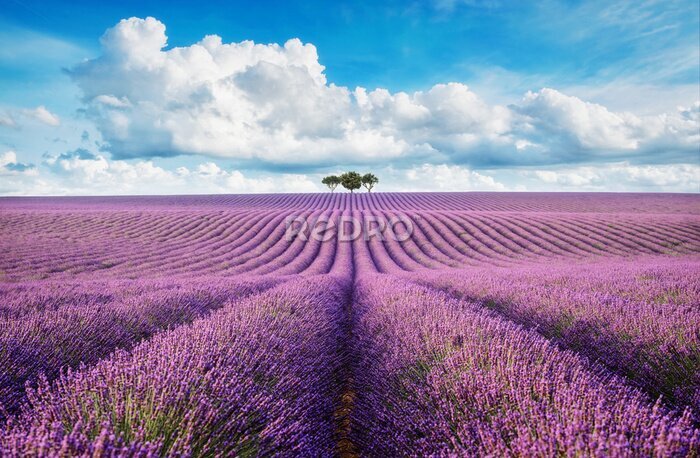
(246, 112)
(80, 172)
(272, 106)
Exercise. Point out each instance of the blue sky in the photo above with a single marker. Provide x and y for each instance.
(458, 95)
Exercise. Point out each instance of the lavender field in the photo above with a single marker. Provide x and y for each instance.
(479, 324)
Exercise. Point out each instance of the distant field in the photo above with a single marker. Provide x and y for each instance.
(379, 324)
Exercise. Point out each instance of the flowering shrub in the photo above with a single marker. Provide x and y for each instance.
(466, 324)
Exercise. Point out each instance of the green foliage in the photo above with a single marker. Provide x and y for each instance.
(369, 180)
(332, 181)
(351, 180)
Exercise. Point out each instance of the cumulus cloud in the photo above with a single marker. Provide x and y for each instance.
(16, 177)
(444, 177)
(272, 104)
(9, 165)
(618, 177)
(588, 124)
(268, 103)
(227, 100)
(576, 127)
(81, 172)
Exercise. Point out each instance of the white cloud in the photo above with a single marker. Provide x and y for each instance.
(111, 101)
(441, 177)
(9, 165)
(15, 174)
(617, 177)
(6, 120)
(590, 124)
(83, 173)
(572, 130)
(8, 157)
(447, 119)
(272, 104)
(43, 115)
(226, 100)
(40, 114)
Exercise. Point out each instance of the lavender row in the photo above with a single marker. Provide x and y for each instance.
(32, 297)
(108, 244)
(472, 201)
(641, 318)
(437, 376)
(49, 327)
(258, 377)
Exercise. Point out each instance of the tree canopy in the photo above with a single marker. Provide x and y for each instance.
(332, 181)
(351, 180)
(369, 180)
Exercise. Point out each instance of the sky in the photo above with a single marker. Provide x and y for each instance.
(155, 97)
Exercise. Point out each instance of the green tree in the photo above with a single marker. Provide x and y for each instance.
(369, 180)
(351, 181)
(332, 181)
